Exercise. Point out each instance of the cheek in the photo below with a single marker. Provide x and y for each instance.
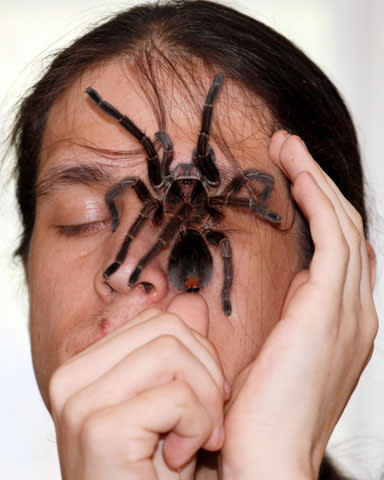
(50, 280)
(264, 262)
(60, 294)
(266, 278)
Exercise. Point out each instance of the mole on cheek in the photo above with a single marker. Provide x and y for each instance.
(105, 326)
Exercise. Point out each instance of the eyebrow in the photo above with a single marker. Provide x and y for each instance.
(57, 177)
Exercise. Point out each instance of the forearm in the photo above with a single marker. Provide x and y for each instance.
(277, 469)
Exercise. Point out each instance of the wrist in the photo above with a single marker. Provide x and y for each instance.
(280, 473)
(267, 468)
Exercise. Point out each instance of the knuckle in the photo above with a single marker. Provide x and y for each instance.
(153, 311)
(357, 218)
(169, 346)
(211, 348)
(131, 449)
(168, 351)
(211, 400)
(186, 399)
(362, 332)
(174, 324)
(54, 388)
(93, 433)
(183, 394)
(343, 249)
(103, 434)
(349, 331)
(58, 389)
(355, 238)
(372, 329)
(72, 414)
(375, 325)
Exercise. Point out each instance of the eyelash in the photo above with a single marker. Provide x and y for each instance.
(82, 228)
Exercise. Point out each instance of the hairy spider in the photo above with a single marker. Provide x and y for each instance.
(186, 196)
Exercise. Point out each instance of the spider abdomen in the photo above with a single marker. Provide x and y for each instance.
(190, 262)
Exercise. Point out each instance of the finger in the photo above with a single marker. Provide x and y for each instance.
(370, 259)
(275, 144)
(357, 297)
(331, 249)
(367, 254)
(193, 310)
(190, 307)
(366, 265)
(159, 362)
(296, 159)
(72, 377)
(130, 431)
(290, 153)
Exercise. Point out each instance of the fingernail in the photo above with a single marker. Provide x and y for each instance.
(218, 436)
(285, 133)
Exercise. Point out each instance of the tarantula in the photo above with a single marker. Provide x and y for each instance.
(186, 197)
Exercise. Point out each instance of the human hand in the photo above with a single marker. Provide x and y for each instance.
(140, 402)
(286, 404)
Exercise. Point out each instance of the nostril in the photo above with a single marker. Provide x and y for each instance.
(148, 287)
(107, 287)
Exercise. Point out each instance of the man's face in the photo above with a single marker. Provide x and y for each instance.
(71, 304)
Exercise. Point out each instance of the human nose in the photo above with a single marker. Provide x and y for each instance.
(110, 282)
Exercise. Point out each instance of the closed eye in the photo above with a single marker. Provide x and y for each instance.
(83, 228)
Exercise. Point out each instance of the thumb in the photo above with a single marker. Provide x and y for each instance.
(193, 310)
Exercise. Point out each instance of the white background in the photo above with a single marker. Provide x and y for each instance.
(345, 37)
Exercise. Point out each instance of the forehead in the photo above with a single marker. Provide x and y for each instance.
(78, 132)
(74, 120)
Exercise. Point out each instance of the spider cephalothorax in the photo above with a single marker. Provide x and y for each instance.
(184, 204)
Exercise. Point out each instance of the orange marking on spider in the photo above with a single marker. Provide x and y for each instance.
(192, 282)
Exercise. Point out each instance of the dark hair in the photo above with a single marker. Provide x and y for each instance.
(298, 94)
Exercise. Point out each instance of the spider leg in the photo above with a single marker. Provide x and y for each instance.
(242, 179)
(116, 190)
(166, 235)
(220, 240)
(168, 152)
(153, 163)
(248, 204)
(203, 155)
(145, 213)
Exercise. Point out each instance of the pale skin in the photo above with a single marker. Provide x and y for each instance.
(138, 382)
